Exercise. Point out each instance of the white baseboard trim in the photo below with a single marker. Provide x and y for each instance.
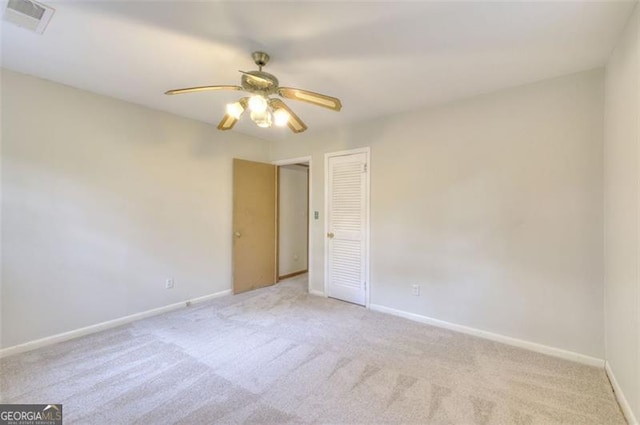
(544, 349)
(317, 293)
(76, 333)
(208, 297)
(622, 400)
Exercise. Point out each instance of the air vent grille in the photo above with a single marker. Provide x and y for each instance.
(27, 8)
(28, 14)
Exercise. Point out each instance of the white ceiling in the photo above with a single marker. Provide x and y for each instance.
(380, 58)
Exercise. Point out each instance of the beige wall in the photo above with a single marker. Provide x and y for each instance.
(102, 201)
(292, 228)
(622, 212)
(492, 204)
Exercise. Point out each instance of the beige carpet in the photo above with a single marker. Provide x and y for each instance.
(279, 355)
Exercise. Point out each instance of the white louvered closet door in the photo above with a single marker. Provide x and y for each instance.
(346, 227)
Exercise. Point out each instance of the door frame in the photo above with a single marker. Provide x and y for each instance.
(292, 161)
(367, 228)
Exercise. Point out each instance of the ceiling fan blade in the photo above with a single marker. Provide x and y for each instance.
(295, 123)
(311, 97)
(227, 122)
(255, 77)
(201, 88)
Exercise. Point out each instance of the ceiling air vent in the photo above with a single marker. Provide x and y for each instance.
(28, 14)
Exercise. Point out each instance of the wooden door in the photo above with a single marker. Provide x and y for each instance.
(347, 224)
(254, 225)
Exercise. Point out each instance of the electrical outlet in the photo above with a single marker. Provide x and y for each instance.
(415, 290)
(168, 284)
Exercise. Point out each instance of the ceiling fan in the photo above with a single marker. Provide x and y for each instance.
(265, 110)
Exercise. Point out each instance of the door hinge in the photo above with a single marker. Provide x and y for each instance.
(364, 167)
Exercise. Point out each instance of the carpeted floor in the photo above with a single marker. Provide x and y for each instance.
(278, 355)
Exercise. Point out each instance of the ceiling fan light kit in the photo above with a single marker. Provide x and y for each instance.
(280, 117)
(265, 110)
(236, 109)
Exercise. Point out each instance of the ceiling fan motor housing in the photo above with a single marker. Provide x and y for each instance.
(265, 83)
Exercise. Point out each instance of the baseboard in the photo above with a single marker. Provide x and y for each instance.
(544, 349)
(76, 333)
(208, 297)
(622, 400)
(317, 293)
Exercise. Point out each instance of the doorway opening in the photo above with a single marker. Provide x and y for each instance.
(257, 239)
(293, 238)
(293, 220)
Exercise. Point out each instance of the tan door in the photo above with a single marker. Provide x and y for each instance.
(254, 225)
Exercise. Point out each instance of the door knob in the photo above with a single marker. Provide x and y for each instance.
(330, 235)
(238, 234)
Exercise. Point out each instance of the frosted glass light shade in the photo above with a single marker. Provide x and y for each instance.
(280, 117)
(235, 109)
(257, 103)
(262, 119)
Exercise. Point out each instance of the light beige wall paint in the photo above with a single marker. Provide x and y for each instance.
(1, 221)
(102, 201)
(622, 212)
(493, 205)
(293, 218)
